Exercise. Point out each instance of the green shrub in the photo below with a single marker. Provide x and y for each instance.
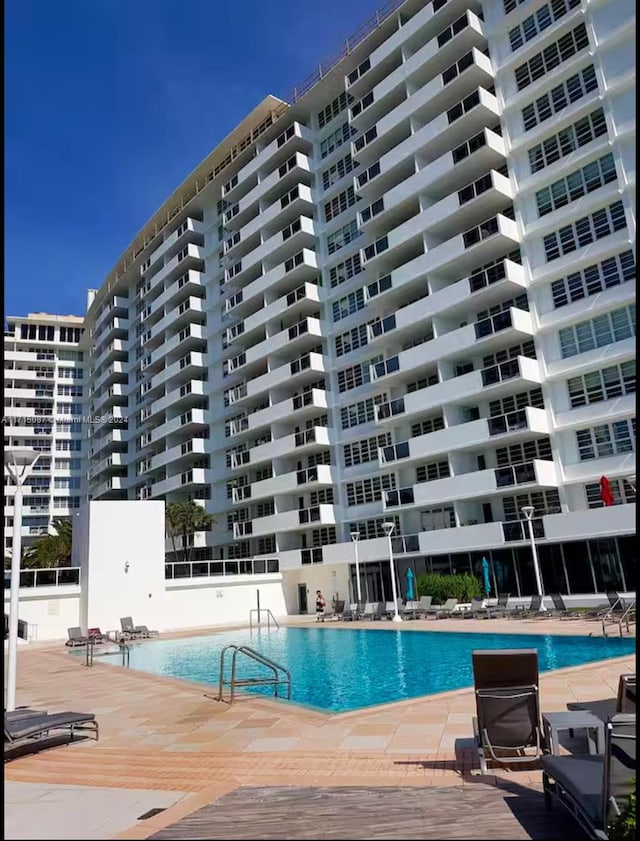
(623, 828)
(442, 587)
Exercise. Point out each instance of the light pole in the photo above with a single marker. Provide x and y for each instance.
(355, 536)
(528, 510)
(388, 529)
(19, 462)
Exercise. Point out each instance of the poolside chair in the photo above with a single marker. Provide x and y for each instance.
(389, 610)
(594, 788)
(33, 729)
(336, 613)
(507, 724)
(97, 637)
(76, 637)
(351, 612)
(416, 609)
(625, 702)
(372, 610)
(477, 610)
(131, 631)
(447, 609)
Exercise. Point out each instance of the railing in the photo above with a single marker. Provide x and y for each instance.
(620, 614)
(52, 577)
(519, 530)
(276, 680)
(174, 570)
(517, 474)
(270, 617)
(124, 650)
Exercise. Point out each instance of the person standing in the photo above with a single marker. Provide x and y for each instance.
(320, 605)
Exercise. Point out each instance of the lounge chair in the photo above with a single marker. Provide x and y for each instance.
(131, 631)
(477, 610)
(32, 729)
(447, 609)
(335, 613)
(595, 788)
(97, 637)
(531, 611)
(434, 609)
(76, 638)
(389, 609)
(413, 610)
(508, 706)
(351, 612)
(625, 702)
(373, 610)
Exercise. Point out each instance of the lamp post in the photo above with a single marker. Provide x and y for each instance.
(355, 536)
(528, 510)
(388, 529)
(19, 462)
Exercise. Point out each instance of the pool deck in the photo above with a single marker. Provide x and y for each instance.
(169, 735)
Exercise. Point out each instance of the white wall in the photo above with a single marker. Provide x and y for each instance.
(48, 611)
(332, 579)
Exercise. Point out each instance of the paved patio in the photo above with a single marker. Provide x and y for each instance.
(168, 735)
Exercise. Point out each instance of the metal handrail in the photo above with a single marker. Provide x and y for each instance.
(613, 616)
(276, 681)
(259, 611)
(125, 651)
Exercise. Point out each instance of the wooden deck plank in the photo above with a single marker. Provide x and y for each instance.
(477, 811)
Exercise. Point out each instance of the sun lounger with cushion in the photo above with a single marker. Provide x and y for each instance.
(447, 609)
(507, 724)
(595, 788)
(625, 702)
(32, 729)
(336, 613)
(76, 637)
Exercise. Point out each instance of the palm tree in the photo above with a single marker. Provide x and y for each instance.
(184, 519)
(51, 550)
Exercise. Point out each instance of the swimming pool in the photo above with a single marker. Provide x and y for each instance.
(346, 669)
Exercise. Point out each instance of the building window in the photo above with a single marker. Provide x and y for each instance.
(362, 412)
(585, 231)
(543, 502)
(568, 140)
(551, 57)
(608, 439)
(427, 426)
(366, 450)
(346, 306)
(338, 204)
(576, 185)
(343, 236)
(334, 108)
(337, 171)
(607, 384)
(614, 326)
(567, 92)
(594, 279)
(344, 271)
(353, 339)
(369, 490)
(538, 22)
(431, 472)
(621, 491)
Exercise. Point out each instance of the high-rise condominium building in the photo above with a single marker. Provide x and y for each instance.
(407, 297)
(43, 394)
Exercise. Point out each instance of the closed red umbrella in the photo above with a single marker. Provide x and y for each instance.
(606, 494)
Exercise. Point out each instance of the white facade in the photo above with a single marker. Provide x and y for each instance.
(43, 396)
(409, 296)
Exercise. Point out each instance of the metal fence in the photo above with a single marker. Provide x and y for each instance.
(53, 577)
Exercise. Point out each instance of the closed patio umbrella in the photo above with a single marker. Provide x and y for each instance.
(486, 576)
(410, 592)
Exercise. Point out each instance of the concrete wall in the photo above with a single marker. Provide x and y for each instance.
(332, 579)
(48, 611)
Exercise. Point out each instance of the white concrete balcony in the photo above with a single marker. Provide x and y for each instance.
(180, 236)
(429, 60)
(190, 337)
(183, 396)
(303, 334)
(36, 379)
(297, 202)
(485, 242)
(306, 441)
(589, 471)
(594, 523)
(116, 371)
(461, 539)
(182, 482)
(116, 461)
(302, 404)
(304, 299)
(296, 270)
(472, 485)
(190, 257)
(189, 367)
(190, 309)
(468, 436)
(32, 393)
(190, 283)
(189, 421)
(608, 410)
(31, 357)
(518, 373)
(295, 138)
(308, 367)
(297, 481)
(115, 306)
(185, 451)
(115, 439)
(112, 328)
(298, 234)
(297, 168)
(114, 484)
(424, 25)
(597, 358)
(116, 349)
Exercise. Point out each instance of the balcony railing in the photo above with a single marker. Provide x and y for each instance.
(305, 436)
(516, 474)
(519, 530)
(311, 556)
(493, 324)
(388, 410)
(305, 476)
(394, 452)
(498, 373)
(309, 515)
(403, 496)
(209, 569)
(52, 577)
(510, 422)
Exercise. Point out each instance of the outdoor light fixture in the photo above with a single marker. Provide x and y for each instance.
(19, 462)
(388, 529)
(528, 510)
(126, 566)
(355, 536)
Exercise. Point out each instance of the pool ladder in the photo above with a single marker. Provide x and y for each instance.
(279, 675)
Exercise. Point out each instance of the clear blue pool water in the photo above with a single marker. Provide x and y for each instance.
(346, 669)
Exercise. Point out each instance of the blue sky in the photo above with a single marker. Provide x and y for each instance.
(109, 104)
